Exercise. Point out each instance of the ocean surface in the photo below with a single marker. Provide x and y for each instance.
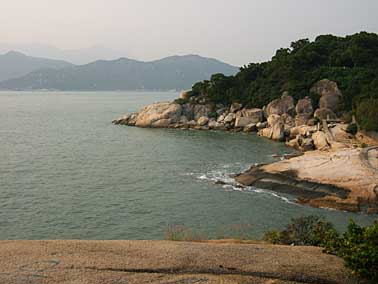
(67, 173)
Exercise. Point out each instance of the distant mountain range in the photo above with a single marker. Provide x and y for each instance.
(170, 73)
(15, 64)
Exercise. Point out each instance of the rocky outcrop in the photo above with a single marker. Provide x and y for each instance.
(330, 95)
(341, 180)
(285, 104)
(304, 111)
(324, 113)
(201, 110)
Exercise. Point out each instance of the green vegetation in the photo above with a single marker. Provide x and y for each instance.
(351, 61)
(311, 231)
(358, 246)
(367, 114)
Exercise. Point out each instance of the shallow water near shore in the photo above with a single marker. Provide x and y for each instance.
(67, 173)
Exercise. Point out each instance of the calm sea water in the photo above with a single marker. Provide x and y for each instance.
(67, 173)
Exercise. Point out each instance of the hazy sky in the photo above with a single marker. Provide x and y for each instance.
(236, 31)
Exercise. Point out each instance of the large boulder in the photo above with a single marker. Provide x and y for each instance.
(285, 104)
(243, 121)
(230, 118)
(150, 115)
(304, 111)
(266, 132)
(278, 131)
(203, 120)
(162, 123)
(235, 107)
(304, 106)
(324, 113)
(188, 111)
(273, 119)
(330, 95)
(255, 114)
(320, 140)
(201, 110)
(302, 119)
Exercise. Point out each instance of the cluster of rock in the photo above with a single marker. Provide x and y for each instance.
(281, 120)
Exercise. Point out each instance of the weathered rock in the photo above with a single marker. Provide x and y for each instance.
(188, 111)
(320, 140)
(183, 119)
(250, 128)
(266, 132)
(212, 124)
(330, 95)
(255, 114)
(158, 111)
(285, 104)
(294, 143)
(222, 111)
(262, 125)
(302, 119)
(244, 121)
(192, 123)
(203, 120)
(162, 123)
(273, 119)
(288, 120)
(324, 113)
(307, 144)
(278, 131)
(219, 126)
(304, 130)
(304, 106)
(220, 118)
(230, 118)
(235, 107)
(201, 110)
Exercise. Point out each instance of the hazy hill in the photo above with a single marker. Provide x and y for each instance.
(175, 72)
(15, 64)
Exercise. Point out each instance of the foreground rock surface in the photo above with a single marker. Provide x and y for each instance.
(136, 262)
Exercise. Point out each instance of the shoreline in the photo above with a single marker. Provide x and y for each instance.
(337, 168)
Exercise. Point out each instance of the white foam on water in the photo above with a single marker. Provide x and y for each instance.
(223, 177)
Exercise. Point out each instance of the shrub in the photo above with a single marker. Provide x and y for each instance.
(273, 237)
(367, 114)
(310, 230)
(359, 248)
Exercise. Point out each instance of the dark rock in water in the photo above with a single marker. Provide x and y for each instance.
(288, 183)
(220, 182)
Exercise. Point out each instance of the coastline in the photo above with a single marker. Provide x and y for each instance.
(336, 170)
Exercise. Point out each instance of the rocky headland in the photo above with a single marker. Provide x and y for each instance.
(339, 165)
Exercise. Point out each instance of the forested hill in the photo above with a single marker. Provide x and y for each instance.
(351, 61)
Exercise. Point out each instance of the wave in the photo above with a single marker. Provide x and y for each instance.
(223, 176)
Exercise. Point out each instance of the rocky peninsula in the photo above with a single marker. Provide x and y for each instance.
(338, 164)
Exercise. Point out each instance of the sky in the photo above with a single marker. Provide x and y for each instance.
(235, 31)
